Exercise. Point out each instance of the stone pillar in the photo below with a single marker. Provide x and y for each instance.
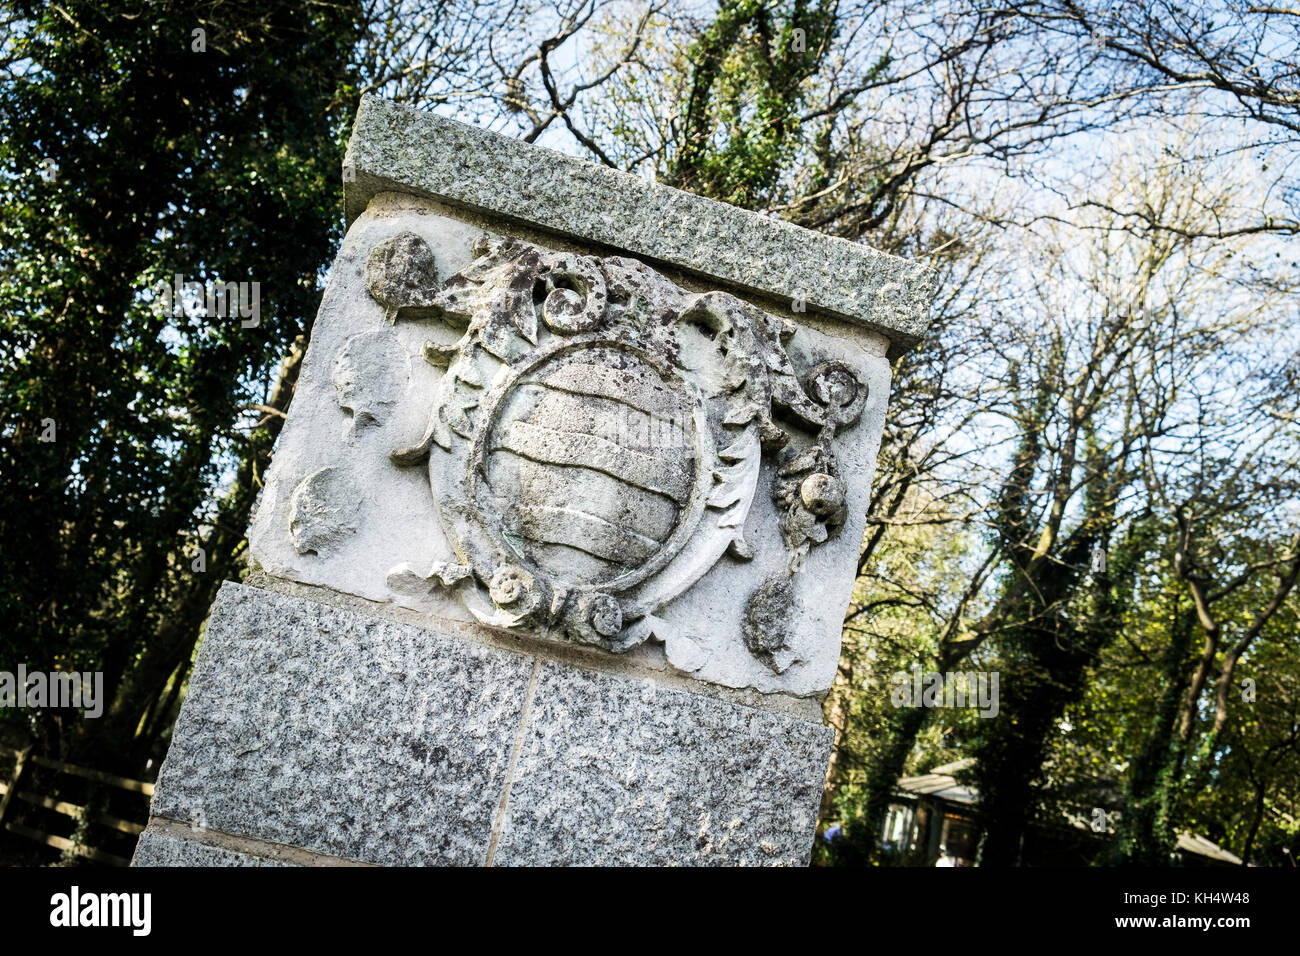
(558, 538)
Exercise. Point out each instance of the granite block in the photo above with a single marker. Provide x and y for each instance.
(398, 149)
(620, 771)
(342, 733)
(166, 849)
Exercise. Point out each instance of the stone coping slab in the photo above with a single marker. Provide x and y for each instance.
(398, 149)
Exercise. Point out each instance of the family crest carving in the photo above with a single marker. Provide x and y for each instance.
(595, 442)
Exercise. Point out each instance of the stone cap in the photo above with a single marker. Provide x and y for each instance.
(398, 149)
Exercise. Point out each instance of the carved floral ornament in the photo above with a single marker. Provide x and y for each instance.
(595, 442)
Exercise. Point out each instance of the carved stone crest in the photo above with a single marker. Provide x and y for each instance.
(595, 443)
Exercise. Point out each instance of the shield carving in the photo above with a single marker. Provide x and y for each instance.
(596, 439)
(592, 464)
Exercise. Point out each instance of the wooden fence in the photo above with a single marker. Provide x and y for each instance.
(33, 793)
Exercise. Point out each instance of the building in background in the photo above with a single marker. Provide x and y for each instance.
(934, 821)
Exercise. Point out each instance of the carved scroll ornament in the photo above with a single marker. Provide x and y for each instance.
(595, 442)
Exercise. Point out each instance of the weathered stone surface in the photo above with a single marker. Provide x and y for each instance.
(165, 849)
(342, 733)
(370, 375)
(322, 510)
(627, 462)
(617, 433)
(394, 148)
(619, 771)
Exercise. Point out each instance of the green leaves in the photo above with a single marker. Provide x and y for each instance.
(749, 73)
(217, 167)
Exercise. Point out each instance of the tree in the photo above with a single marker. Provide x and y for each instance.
(143, 141)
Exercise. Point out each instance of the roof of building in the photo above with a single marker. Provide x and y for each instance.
(941, 783)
